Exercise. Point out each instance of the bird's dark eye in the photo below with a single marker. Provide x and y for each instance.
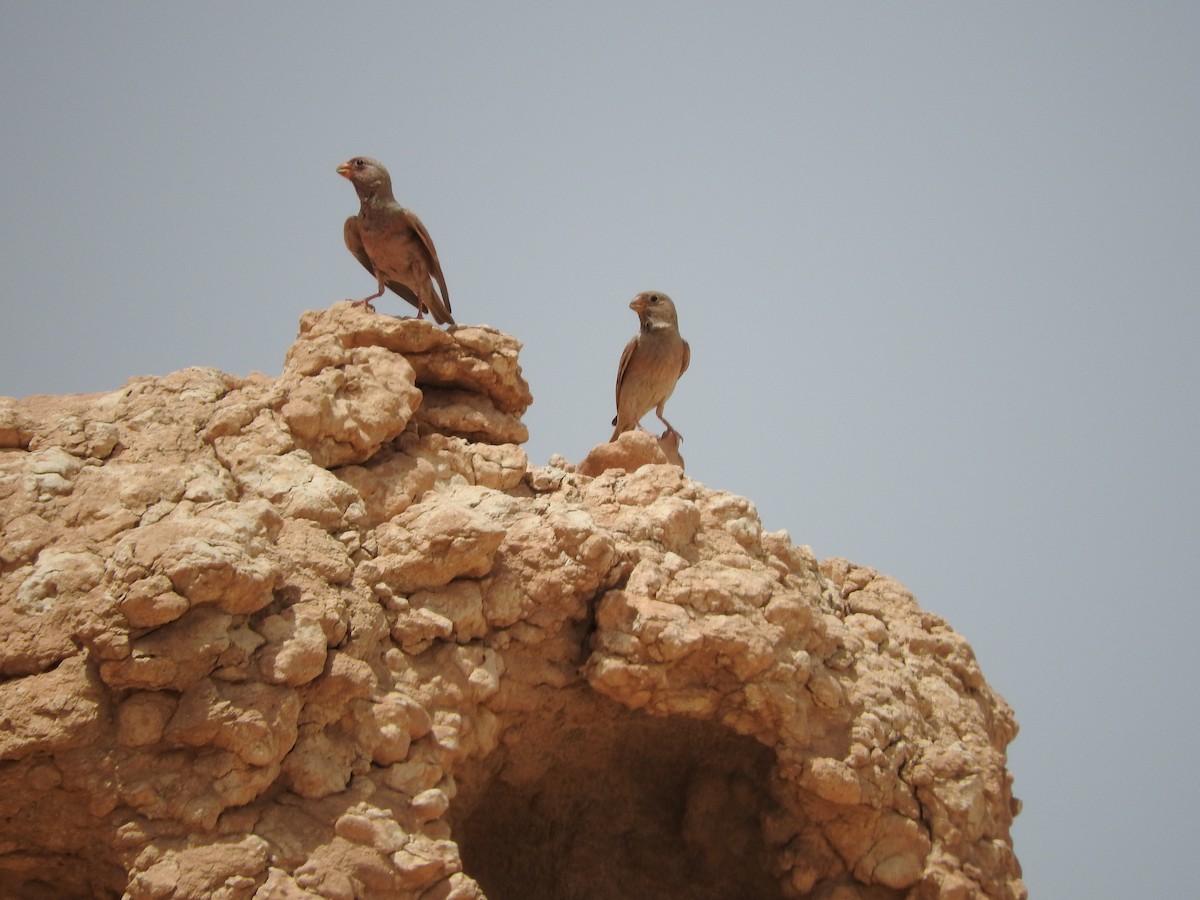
(654, 298)
(359, 163)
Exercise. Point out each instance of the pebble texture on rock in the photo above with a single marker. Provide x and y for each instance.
(330, 636)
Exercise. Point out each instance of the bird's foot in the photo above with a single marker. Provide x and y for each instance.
(365, 303)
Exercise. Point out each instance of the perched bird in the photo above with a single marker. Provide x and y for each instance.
(652, 362)
(392, 244)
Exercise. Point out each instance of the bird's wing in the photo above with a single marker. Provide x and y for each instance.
(355, 245)
(435, 265)
(406, 292)
(687, 357)
(623, 368)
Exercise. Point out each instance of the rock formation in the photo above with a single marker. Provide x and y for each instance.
(331, 636)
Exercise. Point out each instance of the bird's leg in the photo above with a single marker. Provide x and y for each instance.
(366, 301)
(670, 427)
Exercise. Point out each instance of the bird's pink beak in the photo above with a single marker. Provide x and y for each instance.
(344, 170)
(638, 304)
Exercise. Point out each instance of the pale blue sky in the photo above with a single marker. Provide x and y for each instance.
(937, 263)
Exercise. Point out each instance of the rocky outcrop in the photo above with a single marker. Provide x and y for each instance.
(329, 635)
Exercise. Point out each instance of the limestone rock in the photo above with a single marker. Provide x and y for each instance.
(631, 450)
(330, 636)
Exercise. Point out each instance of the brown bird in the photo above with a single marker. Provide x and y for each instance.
(392, 244)
(652, 362)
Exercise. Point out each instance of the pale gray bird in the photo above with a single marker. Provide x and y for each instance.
(392, 244)
(652, 362)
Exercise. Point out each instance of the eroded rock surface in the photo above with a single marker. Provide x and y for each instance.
(330, 636)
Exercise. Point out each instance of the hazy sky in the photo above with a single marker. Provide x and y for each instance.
(937, 263)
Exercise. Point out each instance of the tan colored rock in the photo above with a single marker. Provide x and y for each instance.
(434, 542)
(389, 484)
(330, 636)
(632, 450)
(460, 413)
(346, 412)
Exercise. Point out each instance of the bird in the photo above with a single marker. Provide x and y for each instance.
(653, 361)
(392, 244)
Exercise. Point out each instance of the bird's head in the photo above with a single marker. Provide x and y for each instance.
(654, 307)
(367, 175)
